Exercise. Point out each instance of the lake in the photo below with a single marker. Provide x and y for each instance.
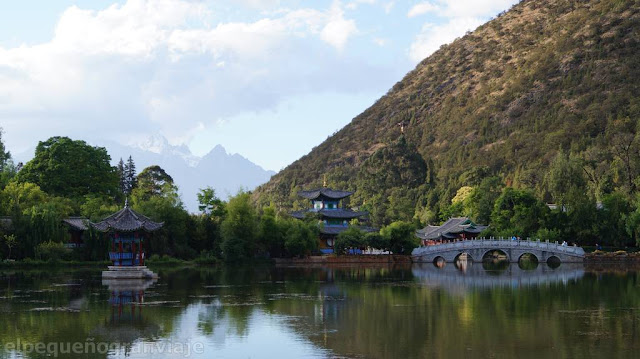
(476, 310)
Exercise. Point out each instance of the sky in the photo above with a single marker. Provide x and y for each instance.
(268, 79)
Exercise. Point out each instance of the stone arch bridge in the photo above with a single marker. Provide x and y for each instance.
(514, 249)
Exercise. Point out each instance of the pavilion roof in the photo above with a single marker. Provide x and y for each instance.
(127, 220)
(77, 223)
(324, 192)
(451, 228)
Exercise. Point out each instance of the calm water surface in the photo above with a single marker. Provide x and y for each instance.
(483, 311)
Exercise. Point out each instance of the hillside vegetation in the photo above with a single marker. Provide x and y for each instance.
(549, 81)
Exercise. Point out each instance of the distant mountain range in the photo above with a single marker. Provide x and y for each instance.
(225, 172)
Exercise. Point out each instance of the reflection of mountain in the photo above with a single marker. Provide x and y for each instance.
(455, 280)
(225, 172)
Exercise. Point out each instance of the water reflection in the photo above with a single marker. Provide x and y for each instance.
(495, 273)
(487, 310)
(126, 322)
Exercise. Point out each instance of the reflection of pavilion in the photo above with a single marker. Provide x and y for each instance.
(126, 322)
(454, 279)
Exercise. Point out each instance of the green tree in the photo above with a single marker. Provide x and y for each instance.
(612, 221)
(270, 233)
(10, 241)
(517, 213)
(239, 228)
(209, 203)
(18, 197)
(401, 237)
(301, 238)
(376, 241)
(479, 204)
(351, 238)
(68, 168)
(154, 181)
(129, 176)
(564, 176)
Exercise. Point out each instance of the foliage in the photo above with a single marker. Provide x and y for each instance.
(153, 181)
(68, 168)
(517, 213)
(376, 240)
(239, 228)
(51, 251)
(301, 239)
(10, 241)
(209, 203)
(401, 237)
(352, 238)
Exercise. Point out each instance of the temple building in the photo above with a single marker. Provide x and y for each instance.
(457, 228)
(127, 231)
(76, 226)
(326, 206)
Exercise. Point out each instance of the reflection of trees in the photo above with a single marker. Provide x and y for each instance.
(369, 312)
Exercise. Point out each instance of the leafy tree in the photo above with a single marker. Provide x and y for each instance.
(10, 241)
(270, 233)
(5, 156)
(68, 168)
(517, 213)
(209, 203)
(239, 228)
(401, 237)
(612, 224)
(565, 175)
(154, 181)
(479, 204)
(301, 238)
(19, 197)
(377, 241)
(352, 238)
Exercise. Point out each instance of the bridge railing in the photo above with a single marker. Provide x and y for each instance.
(504, 243)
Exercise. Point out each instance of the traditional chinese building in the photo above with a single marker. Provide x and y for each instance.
(326, 205)
(457, 228)
(76, 226)
(127, 231)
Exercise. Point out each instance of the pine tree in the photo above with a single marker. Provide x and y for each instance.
(130, 179)
(122, 176)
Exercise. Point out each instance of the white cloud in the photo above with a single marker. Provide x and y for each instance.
(388, 7)
(421, 9)
(432, 37)
(338, 29)
(151, 66)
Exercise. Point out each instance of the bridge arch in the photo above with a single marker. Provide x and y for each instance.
(529, 254)
(458, 256)
(502, 252)
(439, 261)
(554, 261)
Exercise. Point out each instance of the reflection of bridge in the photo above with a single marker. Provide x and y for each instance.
(514, 249)
(452, 278)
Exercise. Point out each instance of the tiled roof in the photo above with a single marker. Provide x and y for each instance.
(127, 220)
(77, 223)
(324, 192)
(6, 223)
(450, 229)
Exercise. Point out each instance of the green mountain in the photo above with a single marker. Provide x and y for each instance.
(545, 77)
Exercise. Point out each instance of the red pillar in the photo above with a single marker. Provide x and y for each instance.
(141, 258)
(120, 255)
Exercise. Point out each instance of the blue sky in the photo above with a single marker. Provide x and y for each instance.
(269, 79)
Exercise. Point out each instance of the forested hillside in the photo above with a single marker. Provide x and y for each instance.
(545, 98)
